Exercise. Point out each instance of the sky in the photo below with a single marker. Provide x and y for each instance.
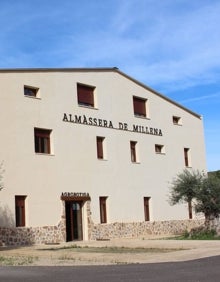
(172, 46)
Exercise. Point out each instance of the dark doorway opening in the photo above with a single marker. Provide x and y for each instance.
(74, 220)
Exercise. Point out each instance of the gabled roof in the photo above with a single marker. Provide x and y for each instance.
(114, 69)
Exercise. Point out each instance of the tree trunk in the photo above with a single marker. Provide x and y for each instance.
(190, 209)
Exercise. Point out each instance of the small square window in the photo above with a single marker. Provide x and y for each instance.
(85, 95)
(30, 91)
(42, 140)
(139, 105)
(177, 120)
(159, 149)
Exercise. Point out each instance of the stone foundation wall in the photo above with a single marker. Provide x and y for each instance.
(32, 235)
(215, 224)
(142, 229)
(57, 234)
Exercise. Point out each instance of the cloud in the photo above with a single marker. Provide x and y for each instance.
(200, 98)
(168, 44)
(158, 44)
(183, 49)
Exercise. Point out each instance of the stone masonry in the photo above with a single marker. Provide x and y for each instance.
(32, 235)
(143, 229)
(57, 234)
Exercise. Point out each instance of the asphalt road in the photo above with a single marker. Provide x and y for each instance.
(206, 269)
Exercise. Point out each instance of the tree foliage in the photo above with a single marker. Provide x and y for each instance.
(208, 198)
(184, 188)
(203, 189)
(214, 173)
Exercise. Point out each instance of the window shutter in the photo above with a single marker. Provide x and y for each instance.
(139, 106)
(20, 210)
(42, 140)
(186, 157)
(133, 151)
(85, 95)
(146, 208)
(100, 148)
(103, 210)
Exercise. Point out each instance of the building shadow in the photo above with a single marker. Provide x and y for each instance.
(6, 217)
(9, 234)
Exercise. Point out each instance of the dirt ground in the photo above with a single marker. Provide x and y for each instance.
(117, 251)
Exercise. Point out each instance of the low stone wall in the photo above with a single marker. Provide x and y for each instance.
(57, 234)
(215, 224)
(32, 235)
(142, 229)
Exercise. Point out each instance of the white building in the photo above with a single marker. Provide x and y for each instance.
(91, 146)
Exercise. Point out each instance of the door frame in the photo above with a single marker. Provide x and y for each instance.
(85, 214)
(74, 221)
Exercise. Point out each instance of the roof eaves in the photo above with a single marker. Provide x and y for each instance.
(102, 69)
(158, 94)
(57, 69)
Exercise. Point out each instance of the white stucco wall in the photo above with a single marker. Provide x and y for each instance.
(73, 165)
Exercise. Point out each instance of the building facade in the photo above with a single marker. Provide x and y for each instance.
(81, 147)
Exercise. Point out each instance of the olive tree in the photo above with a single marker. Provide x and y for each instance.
(184, 188)
(214, 173)
(204, 189)
(208, 198)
